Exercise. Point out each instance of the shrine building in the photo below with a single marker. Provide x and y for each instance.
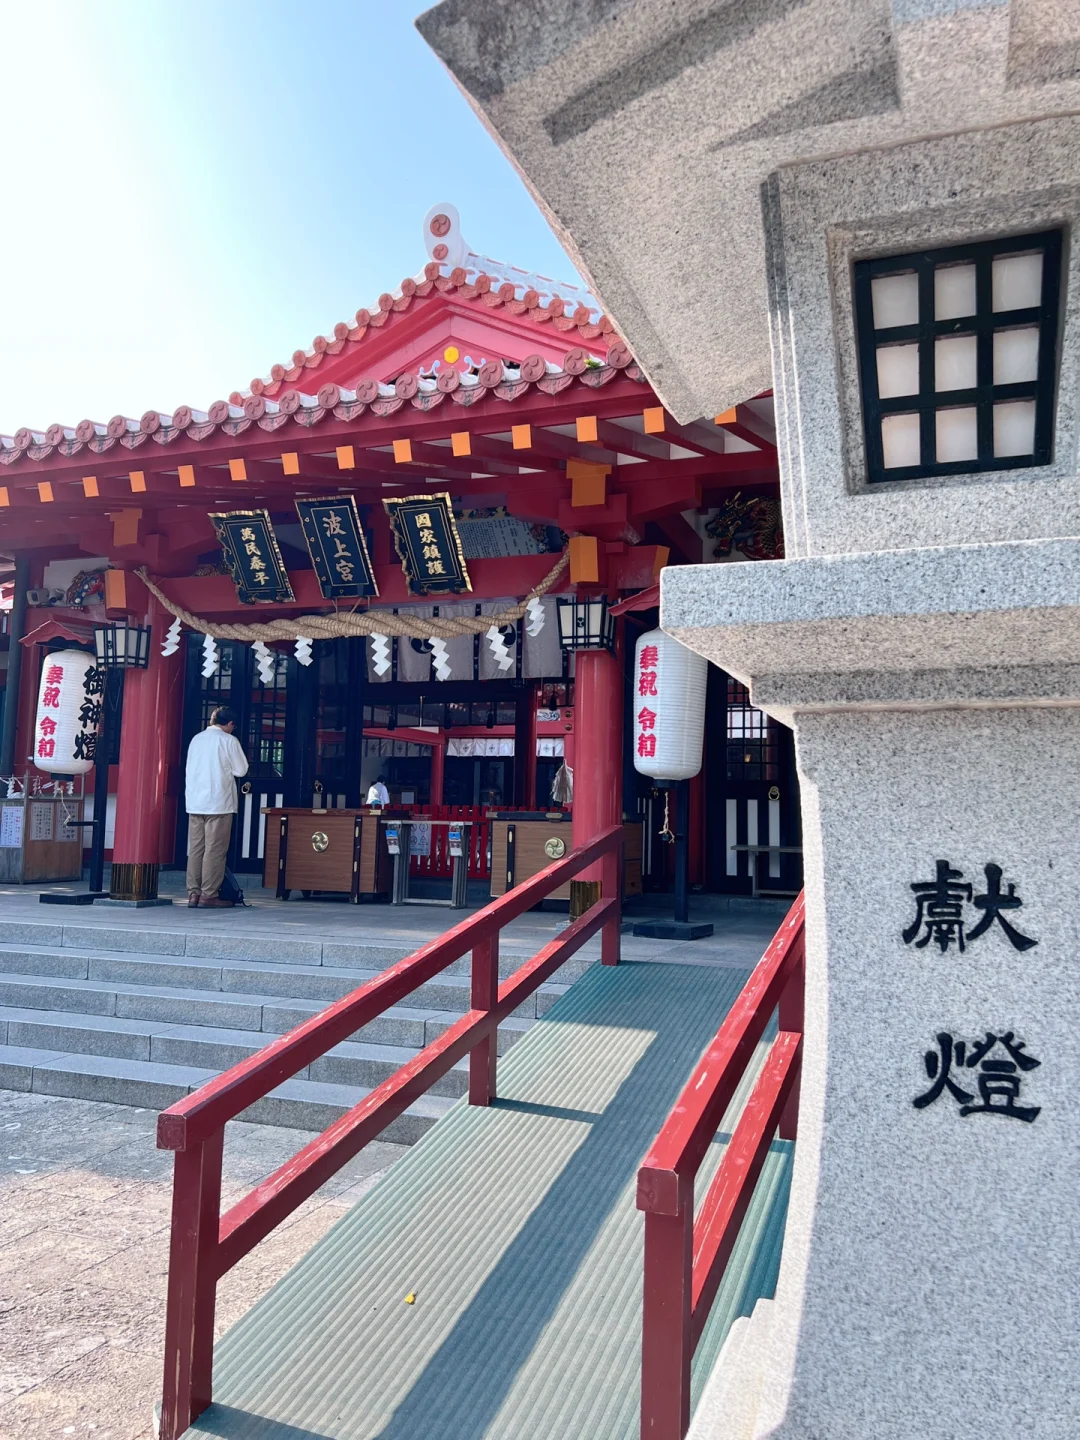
(506, 413)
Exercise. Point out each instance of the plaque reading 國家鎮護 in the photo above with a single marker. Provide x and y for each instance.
(338, 549)
(428, 544)
(253, 556)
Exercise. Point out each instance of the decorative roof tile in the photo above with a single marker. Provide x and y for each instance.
(504, 382)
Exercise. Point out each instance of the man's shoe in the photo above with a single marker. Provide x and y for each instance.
(192, 899)
(215, 903)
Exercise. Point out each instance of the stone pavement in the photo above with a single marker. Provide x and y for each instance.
(84, 1226)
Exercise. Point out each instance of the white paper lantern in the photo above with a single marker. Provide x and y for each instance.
(68, 713)
(669, 707)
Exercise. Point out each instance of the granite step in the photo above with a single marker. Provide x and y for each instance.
(304, 1104)
(400, 1029)
(143, 1017)
(447, 991)
(221, 945)
(356, 1063)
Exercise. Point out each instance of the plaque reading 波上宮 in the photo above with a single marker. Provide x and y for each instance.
(253, 556)
(941, 912)
(428, 544)
(999, 1062)
(338, 549)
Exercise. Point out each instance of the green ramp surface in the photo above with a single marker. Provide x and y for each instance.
(515, 1228)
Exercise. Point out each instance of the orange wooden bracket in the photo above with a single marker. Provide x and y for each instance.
(655, 420)
(116, 582)
(403, 452)
(588, 482)
(521, 436)
(45, 491)
(5, 498)
(137, 480)
(90, 487)
(290, 463)
(238, 469)
(187, 476)
(586, 429)
(125, 526)
(584, 560)
(727, 418)
(461, 442)
(346, 457)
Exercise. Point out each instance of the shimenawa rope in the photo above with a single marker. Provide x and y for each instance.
(367, 622)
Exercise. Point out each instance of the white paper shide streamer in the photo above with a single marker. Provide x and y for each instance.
(302, 650)
(440, 659)
(501, 655)
(534, 617)
(264, 660)
(171, 643)
(209, 656)
(380, 654)
(669, 707)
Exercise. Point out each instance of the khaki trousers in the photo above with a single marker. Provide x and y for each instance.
(208, 845)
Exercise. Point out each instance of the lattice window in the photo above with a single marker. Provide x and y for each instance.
(958, 357)
(751, 739)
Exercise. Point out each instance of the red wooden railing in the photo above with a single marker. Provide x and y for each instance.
(204, 1243)
(685, 1258)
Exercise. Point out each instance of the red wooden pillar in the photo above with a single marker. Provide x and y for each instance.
(598, 730)
(192, 1294)
(666, 1341)
(483, 1059)
(438, 772)
(142, 785)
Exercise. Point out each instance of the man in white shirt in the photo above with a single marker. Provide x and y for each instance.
(215, 758)
(378, 794)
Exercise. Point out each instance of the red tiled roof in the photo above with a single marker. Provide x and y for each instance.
(294, 407)
(517, 296)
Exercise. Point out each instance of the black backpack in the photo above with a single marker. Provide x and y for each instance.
(230, 889)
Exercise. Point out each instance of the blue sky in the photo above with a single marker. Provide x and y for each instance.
(194, 191)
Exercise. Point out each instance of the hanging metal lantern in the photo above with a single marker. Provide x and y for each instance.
(586, 624)
(121, 646)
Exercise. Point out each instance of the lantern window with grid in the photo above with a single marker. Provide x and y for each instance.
(958, 357)
(586, 624)
(121, 646)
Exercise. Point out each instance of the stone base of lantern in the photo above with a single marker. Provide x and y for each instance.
(673, 929)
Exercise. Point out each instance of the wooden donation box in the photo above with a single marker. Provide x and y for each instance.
(40, 836)
(526, 842)
(329, 851)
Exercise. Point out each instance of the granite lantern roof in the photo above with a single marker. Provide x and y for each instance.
(646, 130)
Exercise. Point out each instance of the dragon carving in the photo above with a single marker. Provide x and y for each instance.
(753, 525)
